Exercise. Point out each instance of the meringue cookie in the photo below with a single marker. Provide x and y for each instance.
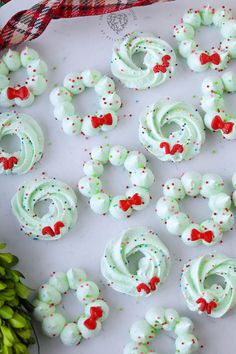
(156, 53)
(179, 145)
(62, 211)
(153, 267)
(137, 197)
(216, 117)
(216, 299)
(54, 323)
(192, 184)
(142, 332)
(31, 143)
(216, 58)
(103, 120)
(35, 84)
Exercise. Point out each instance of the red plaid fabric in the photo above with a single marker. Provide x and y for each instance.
(29, 24)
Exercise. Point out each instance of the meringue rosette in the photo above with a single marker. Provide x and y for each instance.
(50, 296)
(182, 144)
(35, 84)
(158, 63)
(142, 332)
(153, 267)
(217, 118)
(62, 211)
(31, 143)
(208, 284)
(103, 119)
(216, 58)
(136, 197)
(193, 184)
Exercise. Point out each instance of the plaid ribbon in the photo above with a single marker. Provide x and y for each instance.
(30, 24)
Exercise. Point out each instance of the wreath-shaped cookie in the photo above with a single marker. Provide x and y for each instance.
(153, 267)
(214, 58)
(136, 197)
(62, 211)
(35, 84)
(50, 295)
(202, 288)
(103, 120)
(142, 332)
(192, 184)
(158, 63)
(31, 143)
(216, 117)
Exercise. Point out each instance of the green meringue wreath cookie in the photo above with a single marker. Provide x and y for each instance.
(215, 58)
(158, 63)
(62, 211)
(50, 296)
(182, 144)
(31, 143)
(35, 84)
(193, 184)
(103, 119)
(142, 332)
(208, 284)
(153, 267)
(136, 197)
(216, 116)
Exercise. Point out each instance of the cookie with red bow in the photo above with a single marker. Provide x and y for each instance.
(102, 120)
(22, 95)
(55, 324)
(179, 223)
(217, 118)
(137, 195)
(216, 58)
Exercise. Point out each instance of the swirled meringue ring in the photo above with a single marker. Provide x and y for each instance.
(142, 332)
(200, 294)
(159, 61)
(103, 120)
(182, 144)
(62, 211)
(31, 143)
(216, 116)
(214, 58)
(54, 324)
(192, 184)
(153, 267)
(137, 196)
(35, 84)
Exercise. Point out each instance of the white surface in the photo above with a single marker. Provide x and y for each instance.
(78, 44)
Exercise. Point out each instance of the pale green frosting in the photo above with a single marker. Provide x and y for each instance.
(142, 177)
(59, 281)
(134, 76)
(207, 15)
(193, 184)
(87, 292)
(194, 283)
(37, 67)
(31, 141)
(64, 111)
(70, 335)
(75, 277)
(191, 134)
(105, 86)
(192, 18)
(88, 186)
(229, 45)
(73, 82)
(53, 325)
(12, 60)
(142, 332)
(115, 265)
(28, 55)
(183, 32)
(228, 30)
(63, 207)
(118, 155)
(134, 160)
(91, 77)
(221, 15)
(100, 203)
(93, 168)
(72, 125)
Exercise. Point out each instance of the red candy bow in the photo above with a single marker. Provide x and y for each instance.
(205, 236)
(205, 306)
(8, 163)
(168, 151)
(213, 59)
(127, 203)
(21, 92)
(218, 124)
(95, 313)
(162, 67)
(104, 120)
(150, 287)
(47, 230)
